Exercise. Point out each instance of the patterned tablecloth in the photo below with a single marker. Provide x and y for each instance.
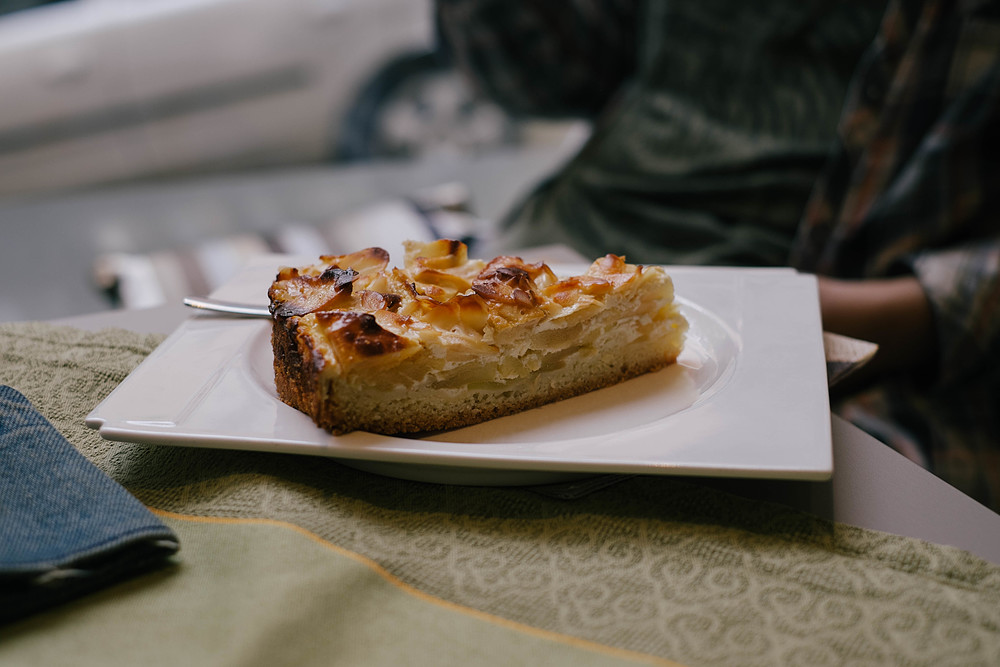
(297, 560)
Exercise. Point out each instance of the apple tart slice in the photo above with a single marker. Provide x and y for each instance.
(448, 341)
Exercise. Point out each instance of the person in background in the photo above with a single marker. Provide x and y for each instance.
(904, 230)
(713, 123)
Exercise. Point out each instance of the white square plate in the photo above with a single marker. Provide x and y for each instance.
(747, 398)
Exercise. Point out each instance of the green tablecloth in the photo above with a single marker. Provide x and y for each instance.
(298, 560)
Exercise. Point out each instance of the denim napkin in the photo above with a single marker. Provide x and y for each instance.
(66, 528)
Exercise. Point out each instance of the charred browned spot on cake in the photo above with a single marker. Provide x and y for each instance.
(294, 364)
(506, 284)
(359, 334)
(287, 353)
(342, 279)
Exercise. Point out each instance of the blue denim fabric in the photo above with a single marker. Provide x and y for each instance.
(66, 528)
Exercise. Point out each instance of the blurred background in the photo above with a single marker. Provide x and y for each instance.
(149, 147)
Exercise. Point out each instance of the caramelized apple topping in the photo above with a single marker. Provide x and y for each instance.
(440, 254)
(615, 269)
(341, 278)
(567, 292)
(472, 312)
(369, 309)
(300, 294)
(540, 273)
(506, 284)
(286, 273)
(358, 334)
(465, 310)
(372, 300)
(365, 262)
(442, 279)
(325, 286)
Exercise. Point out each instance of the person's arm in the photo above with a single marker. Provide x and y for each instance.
(943, 319)
(567, 58)
(894, 313)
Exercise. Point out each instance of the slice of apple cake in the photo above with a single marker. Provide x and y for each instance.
(448, 341)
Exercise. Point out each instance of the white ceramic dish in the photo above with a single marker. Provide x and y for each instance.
(747, 398)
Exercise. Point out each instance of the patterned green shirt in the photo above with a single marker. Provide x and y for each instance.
(711, 119)
(914, 189)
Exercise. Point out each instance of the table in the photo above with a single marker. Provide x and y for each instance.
(286, 560)
(873, 487)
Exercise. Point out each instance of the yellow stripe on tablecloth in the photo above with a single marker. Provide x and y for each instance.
(410, 590)
(248, 592)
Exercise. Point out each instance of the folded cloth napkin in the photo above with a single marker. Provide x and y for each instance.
(66, 528)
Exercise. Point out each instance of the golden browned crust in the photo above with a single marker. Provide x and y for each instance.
(295, 376)
(447, 341)
(475, 411)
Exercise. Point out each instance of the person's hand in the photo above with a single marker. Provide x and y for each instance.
(893, 313)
